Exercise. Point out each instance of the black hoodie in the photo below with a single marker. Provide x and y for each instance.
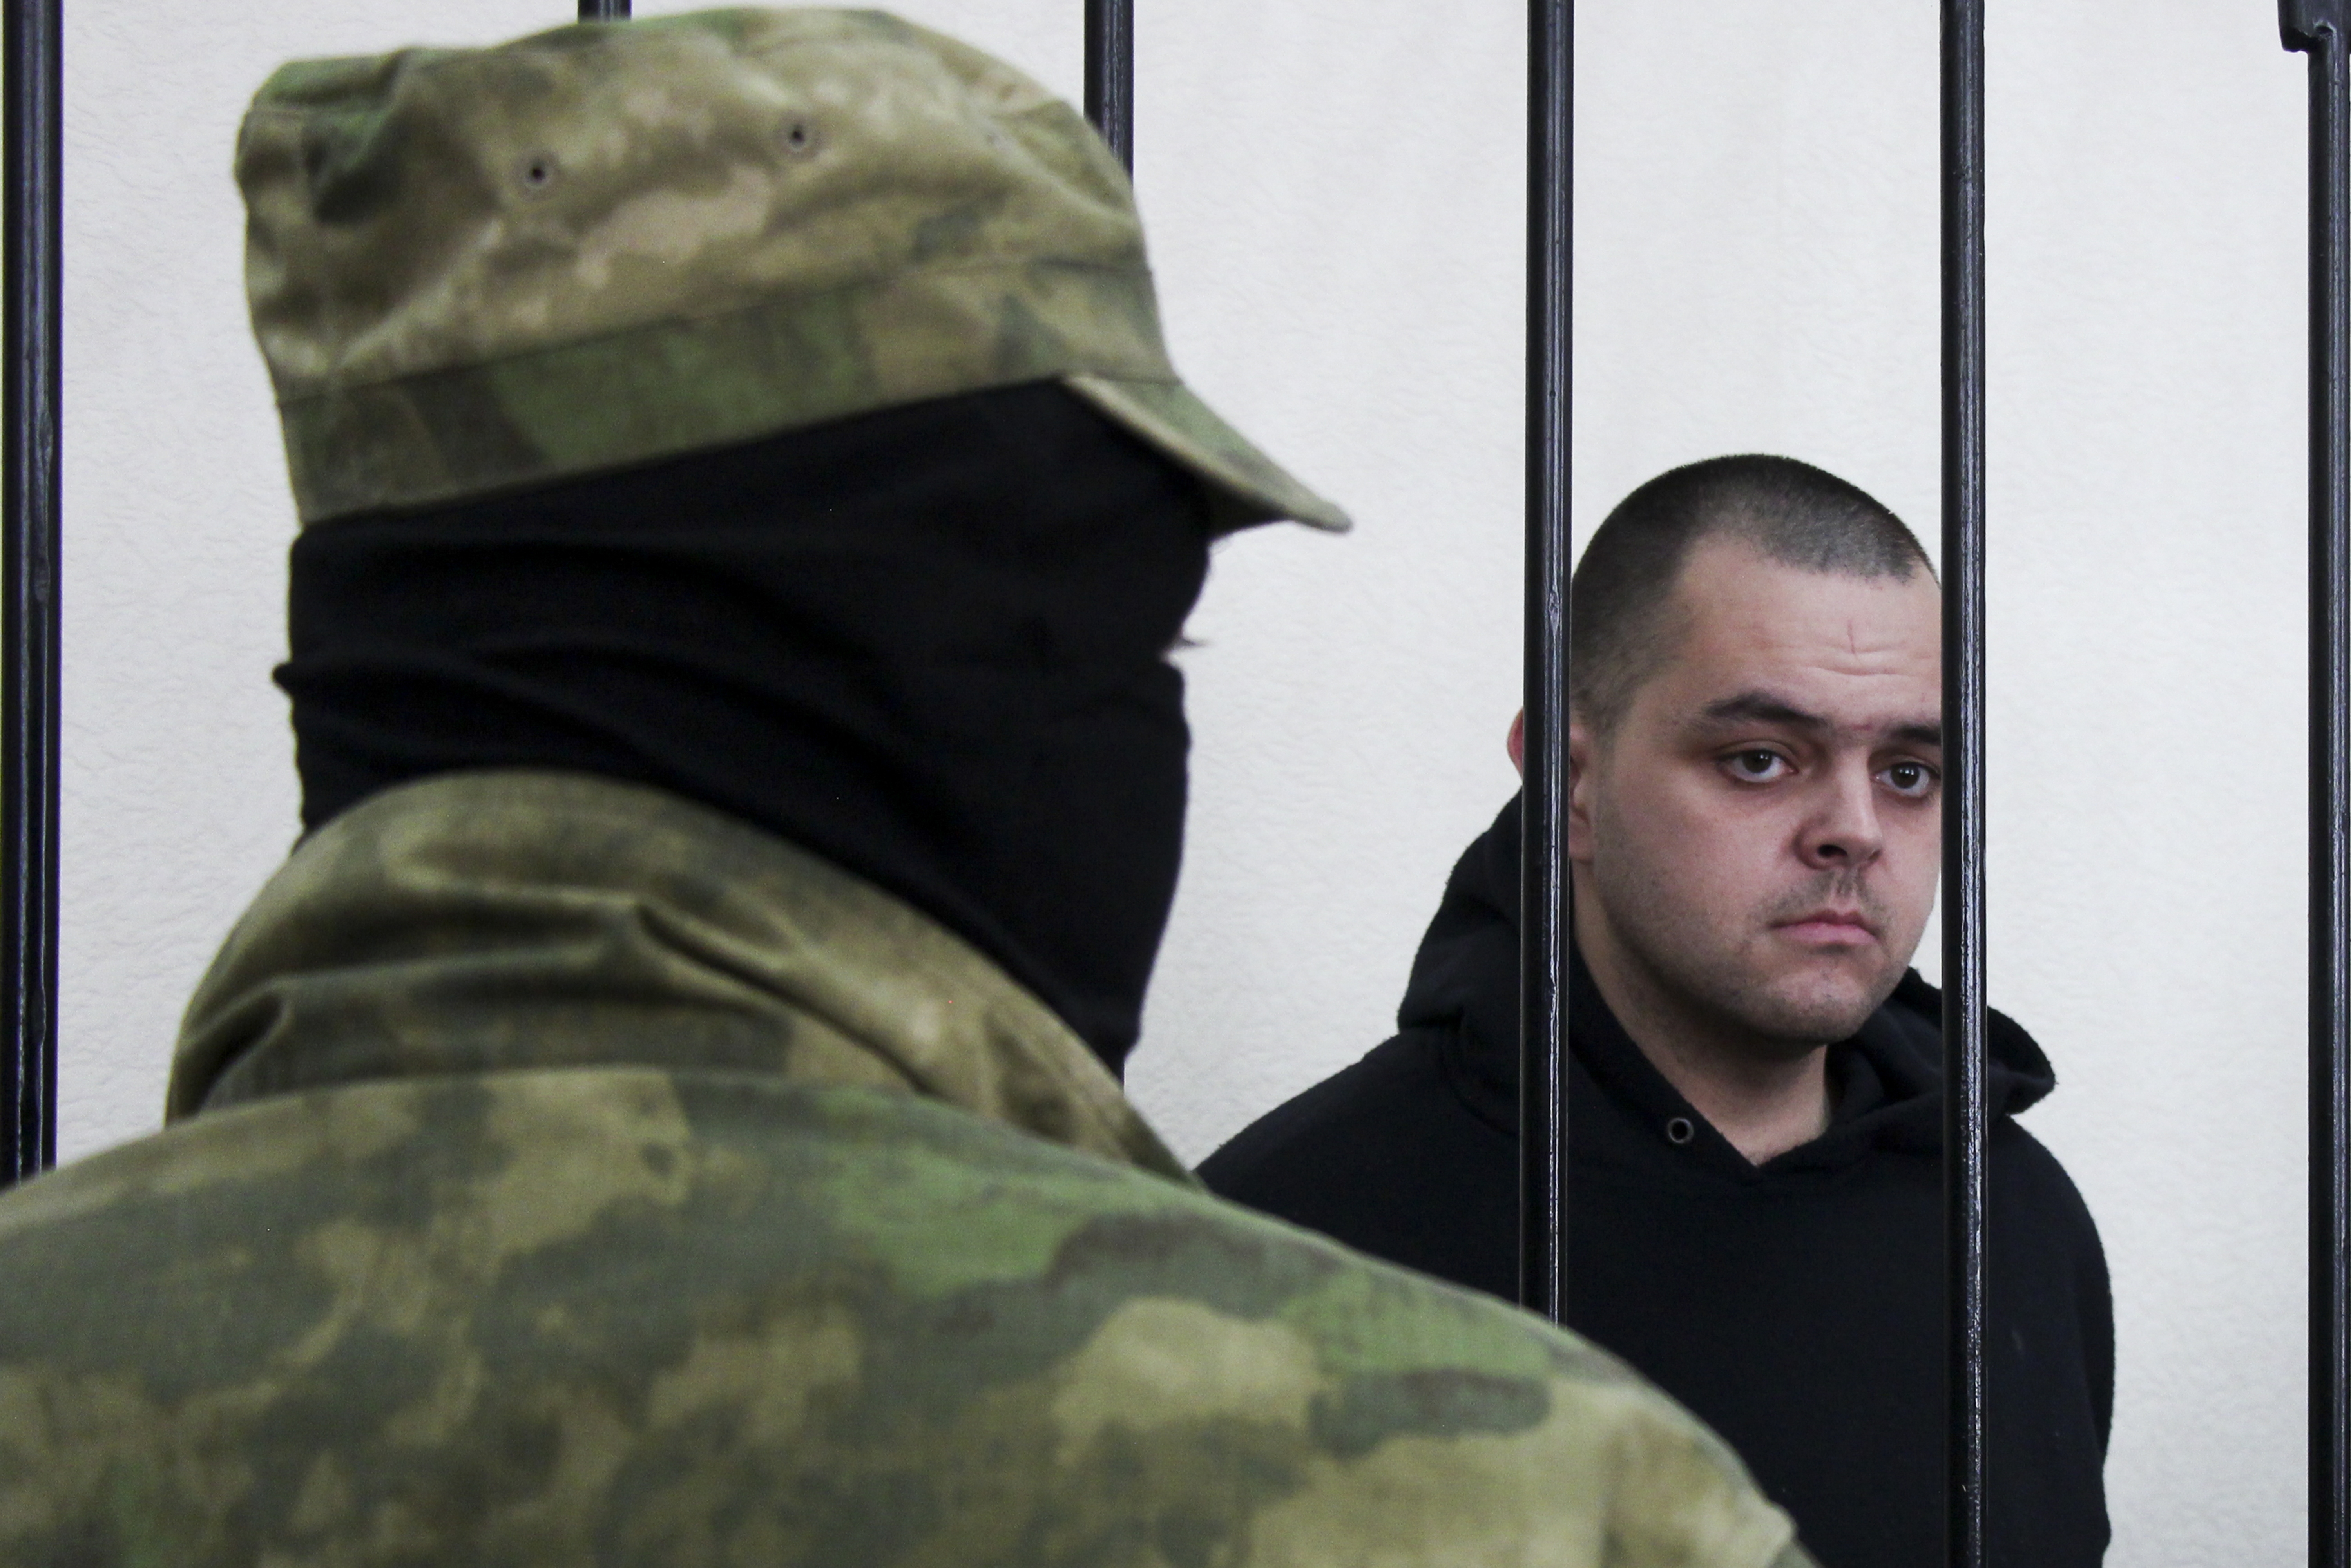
(1797, 1307)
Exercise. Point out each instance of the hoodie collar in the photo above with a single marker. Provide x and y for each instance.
(1887, 1079)
(515, 919)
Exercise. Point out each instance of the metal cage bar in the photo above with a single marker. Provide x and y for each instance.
(1109, 74)
(1964, 1124)
(2318, 27)
(1542, 883)
(28, 561)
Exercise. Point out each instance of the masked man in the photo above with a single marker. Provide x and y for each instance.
(664, 1111)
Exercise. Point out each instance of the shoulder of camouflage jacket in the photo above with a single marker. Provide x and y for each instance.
(511, 918)
(629, 1315)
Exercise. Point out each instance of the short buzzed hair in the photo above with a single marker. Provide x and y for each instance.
(1791, 512)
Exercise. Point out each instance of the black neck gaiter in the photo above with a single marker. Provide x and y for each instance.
(927, 644)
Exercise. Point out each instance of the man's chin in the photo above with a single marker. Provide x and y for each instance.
(1811, 1010)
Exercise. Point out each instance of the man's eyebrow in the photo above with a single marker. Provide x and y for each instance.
(1920, 734)
(1764, 708)
(1759, 707)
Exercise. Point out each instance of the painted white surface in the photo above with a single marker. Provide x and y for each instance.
(1335, 196)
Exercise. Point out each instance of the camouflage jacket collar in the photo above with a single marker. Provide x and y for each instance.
(502, 920)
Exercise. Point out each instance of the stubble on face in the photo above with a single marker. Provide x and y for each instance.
(1709, 957)
(1748, 865)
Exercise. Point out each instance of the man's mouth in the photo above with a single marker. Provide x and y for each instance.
(1829, 928)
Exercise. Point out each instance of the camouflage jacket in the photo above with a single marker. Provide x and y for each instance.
(564, 1173)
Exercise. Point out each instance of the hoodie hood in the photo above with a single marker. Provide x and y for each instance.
(1889, 1077)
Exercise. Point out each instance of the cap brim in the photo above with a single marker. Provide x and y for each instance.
(1248, 487)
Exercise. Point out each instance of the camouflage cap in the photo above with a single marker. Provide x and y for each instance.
(612, 242)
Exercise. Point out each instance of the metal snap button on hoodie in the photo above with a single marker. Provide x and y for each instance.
(1680, 1131)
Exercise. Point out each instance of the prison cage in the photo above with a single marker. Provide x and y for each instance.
(29, 713)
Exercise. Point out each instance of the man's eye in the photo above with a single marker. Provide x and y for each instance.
(1757, 767)
(1909, 778)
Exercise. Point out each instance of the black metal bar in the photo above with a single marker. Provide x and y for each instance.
(603, 10)
(2318, 26)
(1542, 883)
(1964, 1125)
(1109, 74)
(31, 236)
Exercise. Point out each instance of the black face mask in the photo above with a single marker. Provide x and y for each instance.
(927, 644)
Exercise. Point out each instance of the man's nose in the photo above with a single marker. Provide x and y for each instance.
(1844, 831)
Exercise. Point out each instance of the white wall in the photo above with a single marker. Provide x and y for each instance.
(1334, 192)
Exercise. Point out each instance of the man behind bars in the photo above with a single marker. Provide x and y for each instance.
(664, 1111)
(1754, 1099)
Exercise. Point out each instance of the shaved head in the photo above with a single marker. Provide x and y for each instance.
(1625, 619)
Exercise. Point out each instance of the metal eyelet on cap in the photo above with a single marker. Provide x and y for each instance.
(1680, 1131)
(538, 173)
(801, 138)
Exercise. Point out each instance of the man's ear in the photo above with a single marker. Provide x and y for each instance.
(1579, 791)
(1517, 743)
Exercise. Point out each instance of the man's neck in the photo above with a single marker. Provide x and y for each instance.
(1763, 1101)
